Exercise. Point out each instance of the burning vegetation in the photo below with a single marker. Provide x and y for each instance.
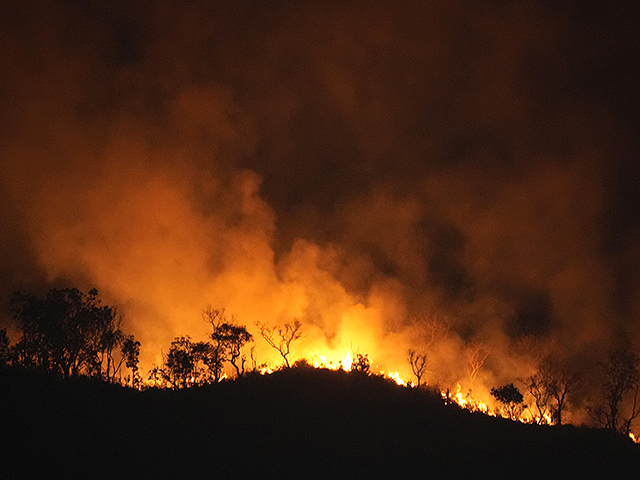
(69, 335)
(438, 194)
(295, 422)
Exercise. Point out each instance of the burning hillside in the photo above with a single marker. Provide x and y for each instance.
(69, 334)
(295, 422)
(453, 179)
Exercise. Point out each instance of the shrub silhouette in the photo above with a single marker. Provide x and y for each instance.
(510, 398)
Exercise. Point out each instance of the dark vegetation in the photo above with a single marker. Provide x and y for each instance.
(511, 400)
(70, 334)
(295, 423)
(190, 363)
(73, 405)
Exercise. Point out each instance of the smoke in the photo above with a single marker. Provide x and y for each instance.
(361, 166)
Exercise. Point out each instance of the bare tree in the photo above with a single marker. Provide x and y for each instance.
(635, 411)
(539, 389)
(560, 381)
(476, 354)
(621, 376)
(418, 362)
(428, 328)
(281, 338)
(550, 387)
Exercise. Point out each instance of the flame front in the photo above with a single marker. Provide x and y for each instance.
(321, 361)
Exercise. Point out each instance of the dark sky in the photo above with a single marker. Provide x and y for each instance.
(351, 163)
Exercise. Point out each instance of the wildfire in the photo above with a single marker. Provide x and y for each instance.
(321, 361)
(466, 401)
(395, 376)
(346, 363)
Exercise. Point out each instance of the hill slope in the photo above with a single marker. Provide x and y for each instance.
(300, 423)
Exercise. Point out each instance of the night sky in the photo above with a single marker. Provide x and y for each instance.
(360, 165)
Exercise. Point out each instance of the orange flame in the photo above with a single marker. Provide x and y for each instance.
(321, 361)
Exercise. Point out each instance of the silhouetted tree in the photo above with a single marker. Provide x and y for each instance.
(217, 355)
(4, 347)
(187, 364)
(131, 355)
(108, 344)
(180, 362)
(426, 330)
(418, 364)
(237, 337)
(191, 363)
(67, 333)
(281, 338)
(510, 398)
(550, 387)
(228, 339)
(538, 388)
(621, 377)
(560, 381)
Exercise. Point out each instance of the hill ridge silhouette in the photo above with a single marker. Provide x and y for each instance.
(293, 423)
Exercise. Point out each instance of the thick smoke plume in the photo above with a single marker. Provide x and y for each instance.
(370, 168)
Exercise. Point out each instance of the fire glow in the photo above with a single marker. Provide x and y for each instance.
(465, 401)
(346, 364)
(320, 361)
(348, 182)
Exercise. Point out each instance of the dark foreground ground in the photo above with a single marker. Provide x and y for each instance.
(301, 423)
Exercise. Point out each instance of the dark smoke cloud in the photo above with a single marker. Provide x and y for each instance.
(350, 163)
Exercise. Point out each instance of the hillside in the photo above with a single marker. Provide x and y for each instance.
(300, 423)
